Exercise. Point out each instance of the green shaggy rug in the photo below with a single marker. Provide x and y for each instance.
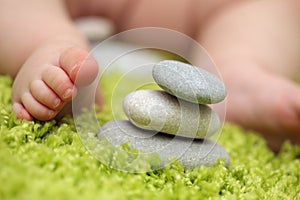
(48, 161)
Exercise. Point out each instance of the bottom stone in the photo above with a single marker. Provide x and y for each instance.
(191, 153)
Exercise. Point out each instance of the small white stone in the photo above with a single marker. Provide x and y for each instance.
(188, 82)
(160, 111)
(191, 153)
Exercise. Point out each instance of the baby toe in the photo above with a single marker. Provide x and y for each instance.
(43, 94)
(21, 112)
(81, 67)
(59, 82)
(36, 109)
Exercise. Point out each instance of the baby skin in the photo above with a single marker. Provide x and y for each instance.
(255, 44)
(42, 92)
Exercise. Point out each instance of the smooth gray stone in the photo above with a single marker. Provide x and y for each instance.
(159, 111)
(191, 153)
(188, 82)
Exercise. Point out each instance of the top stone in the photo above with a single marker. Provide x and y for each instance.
(189, 82)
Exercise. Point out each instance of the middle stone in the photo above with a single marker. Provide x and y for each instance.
(159, 111)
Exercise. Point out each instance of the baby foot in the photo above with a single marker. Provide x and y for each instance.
(264, 102)
(47, 80)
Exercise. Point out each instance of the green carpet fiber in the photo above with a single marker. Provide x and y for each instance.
(48, 161)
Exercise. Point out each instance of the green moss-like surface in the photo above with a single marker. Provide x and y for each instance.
(48, 161)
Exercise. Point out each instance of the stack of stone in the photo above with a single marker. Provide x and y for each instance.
(176, 122)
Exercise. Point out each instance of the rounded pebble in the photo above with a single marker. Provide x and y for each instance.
(188, 82)
(159, 111)
(191, 153)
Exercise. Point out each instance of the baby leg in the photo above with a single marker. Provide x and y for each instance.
(42, 49)
(256, 46)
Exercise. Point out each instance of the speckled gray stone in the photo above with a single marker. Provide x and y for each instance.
(159, 111)
(189, 152)
(188, 82)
